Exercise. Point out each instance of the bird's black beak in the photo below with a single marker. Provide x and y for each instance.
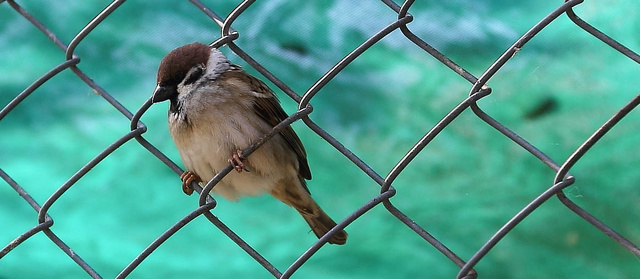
(163, 93)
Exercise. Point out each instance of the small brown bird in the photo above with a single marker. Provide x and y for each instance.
(216, 110)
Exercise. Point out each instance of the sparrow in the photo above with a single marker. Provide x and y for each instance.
(216, 110)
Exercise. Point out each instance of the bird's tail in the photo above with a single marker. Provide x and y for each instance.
(321, 223)
(295, 194)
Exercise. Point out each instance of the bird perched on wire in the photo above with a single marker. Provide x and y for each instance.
(216, 110)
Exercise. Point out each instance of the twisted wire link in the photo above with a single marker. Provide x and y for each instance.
(206, 204)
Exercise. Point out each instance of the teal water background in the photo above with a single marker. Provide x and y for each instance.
(461, 188)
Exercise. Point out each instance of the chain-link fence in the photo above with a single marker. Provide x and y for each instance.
(479, 89)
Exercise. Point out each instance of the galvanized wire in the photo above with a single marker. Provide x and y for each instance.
(206, 204)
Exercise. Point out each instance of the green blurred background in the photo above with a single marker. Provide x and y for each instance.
(461, 188)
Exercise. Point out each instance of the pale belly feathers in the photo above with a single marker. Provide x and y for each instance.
(207, 151)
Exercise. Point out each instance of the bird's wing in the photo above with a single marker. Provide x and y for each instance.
(268, 108)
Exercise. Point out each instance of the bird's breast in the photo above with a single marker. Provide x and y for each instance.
(205, 143)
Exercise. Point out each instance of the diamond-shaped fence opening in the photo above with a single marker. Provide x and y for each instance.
(80, 193)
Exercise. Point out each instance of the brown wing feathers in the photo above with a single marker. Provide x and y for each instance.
(268, 108)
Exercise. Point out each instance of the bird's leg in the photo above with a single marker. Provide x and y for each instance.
(236, 161)
(187, 177)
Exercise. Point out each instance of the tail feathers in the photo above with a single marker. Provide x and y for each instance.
(295, 194)
(321, 223)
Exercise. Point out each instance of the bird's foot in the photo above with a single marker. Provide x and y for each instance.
(236, 161)
(187, 177)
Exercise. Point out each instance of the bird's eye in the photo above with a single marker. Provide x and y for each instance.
(193, 75)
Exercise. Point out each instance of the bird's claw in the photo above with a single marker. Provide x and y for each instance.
(187, 177)
(236, 161)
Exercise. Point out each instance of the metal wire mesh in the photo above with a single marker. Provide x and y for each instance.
(478, 90)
